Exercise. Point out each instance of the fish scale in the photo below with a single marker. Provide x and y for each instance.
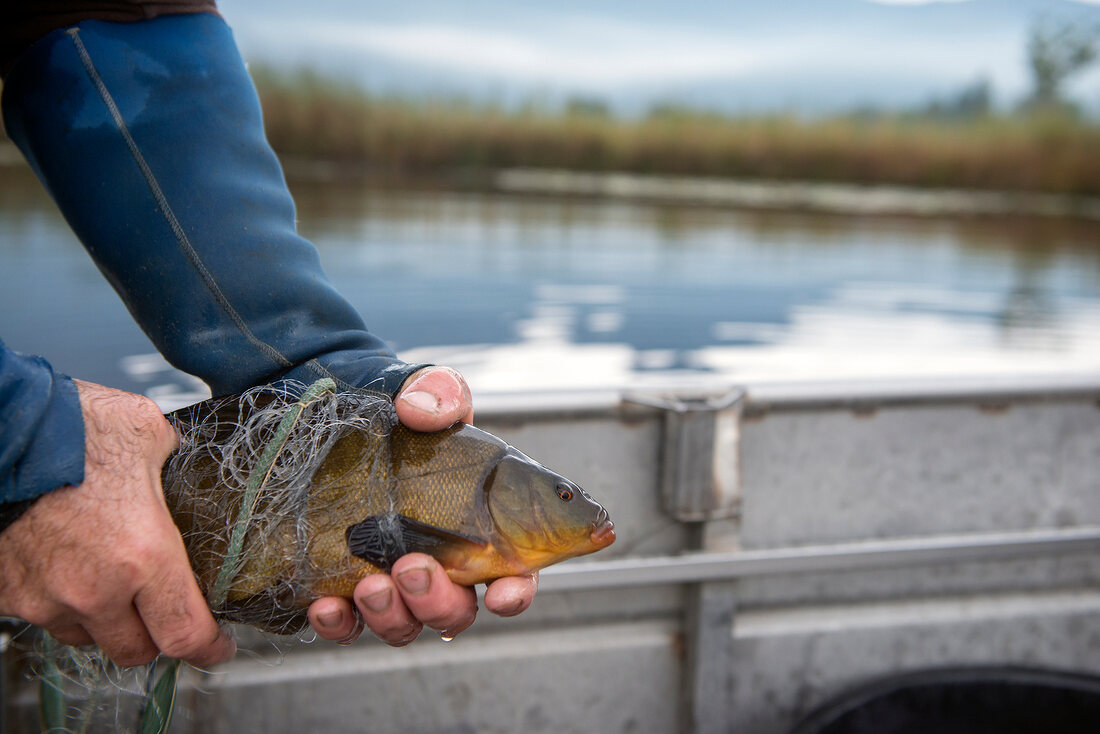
(441, 487)
(365, 494)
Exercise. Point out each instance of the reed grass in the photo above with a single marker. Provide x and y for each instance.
(309, 116)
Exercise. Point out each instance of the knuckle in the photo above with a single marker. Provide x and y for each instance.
(155, 556)
(148, 420)
(399, 635)
(109, 587)
(157, 425)
(145, 554)
(165, 435)
(119, 578)
(90, 601)
(38, 612)
(187, 643)
(143, 408)
(457, 623)
(451, 612)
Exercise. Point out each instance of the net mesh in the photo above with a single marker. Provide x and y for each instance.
(244, 466)
(239, 486)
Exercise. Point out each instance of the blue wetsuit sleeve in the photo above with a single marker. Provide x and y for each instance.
(149, 137)
(41, 429)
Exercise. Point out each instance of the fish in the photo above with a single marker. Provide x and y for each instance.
(351, 492)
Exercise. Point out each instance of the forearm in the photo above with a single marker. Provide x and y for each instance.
(149, 137)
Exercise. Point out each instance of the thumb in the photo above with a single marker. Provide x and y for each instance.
(433, 399)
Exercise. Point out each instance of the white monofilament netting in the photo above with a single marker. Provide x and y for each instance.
(238, 487)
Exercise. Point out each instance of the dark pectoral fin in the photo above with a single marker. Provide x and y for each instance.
(382, 539)
(374, 542)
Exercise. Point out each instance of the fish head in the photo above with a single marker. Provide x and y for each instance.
(544, 517)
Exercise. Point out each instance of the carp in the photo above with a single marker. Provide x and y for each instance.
(348, 491)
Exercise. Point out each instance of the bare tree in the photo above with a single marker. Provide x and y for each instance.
(1056, 51)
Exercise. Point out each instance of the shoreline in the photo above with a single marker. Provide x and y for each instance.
(838, 198)
(834, 198)
(768, 194)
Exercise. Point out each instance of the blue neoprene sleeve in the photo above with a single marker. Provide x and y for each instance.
(149, 137)
(41, 430)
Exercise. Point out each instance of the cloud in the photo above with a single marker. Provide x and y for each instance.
(585, 51)
(603, 54)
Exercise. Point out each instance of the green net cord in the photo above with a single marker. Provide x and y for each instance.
(257, 477)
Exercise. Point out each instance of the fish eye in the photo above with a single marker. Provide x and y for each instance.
(565, 492)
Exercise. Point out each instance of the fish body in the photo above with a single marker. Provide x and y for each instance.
(351, 494)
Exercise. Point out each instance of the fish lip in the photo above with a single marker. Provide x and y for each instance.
(603, 531)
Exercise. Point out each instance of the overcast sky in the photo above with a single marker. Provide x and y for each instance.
(803, 55)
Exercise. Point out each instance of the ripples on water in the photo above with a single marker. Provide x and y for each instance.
(527, 293)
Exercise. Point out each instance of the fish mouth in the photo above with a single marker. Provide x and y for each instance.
(603, 530)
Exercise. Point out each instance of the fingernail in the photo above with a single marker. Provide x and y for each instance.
(511, 610)
(421, 400)
(415, 581)
(379, 601)
(354, 634)
(330, 619)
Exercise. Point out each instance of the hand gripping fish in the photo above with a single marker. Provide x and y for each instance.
(281, 500)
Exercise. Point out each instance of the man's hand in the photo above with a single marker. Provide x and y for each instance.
(103, 562)
(417, 592)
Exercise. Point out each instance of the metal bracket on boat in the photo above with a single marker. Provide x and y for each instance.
(701, 453)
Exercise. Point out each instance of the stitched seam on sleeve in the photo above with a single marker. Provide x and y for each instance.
(166, 210)
(319, 369)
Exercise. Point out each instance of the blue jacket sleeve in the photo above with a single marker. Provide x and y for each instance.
(149, 137)
(41, 428)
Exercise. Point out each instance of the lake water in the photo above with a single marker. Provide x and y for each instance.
(539, 293)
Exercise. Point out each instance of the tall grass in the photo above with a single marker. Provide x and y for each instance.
(308, 116)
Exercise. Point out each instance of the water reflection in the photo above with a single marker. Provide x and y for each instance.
(604, 292)
(538, 292)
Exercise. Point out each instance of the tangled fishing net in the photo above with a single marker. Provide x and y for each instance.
(239, 488)
(240, 484)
